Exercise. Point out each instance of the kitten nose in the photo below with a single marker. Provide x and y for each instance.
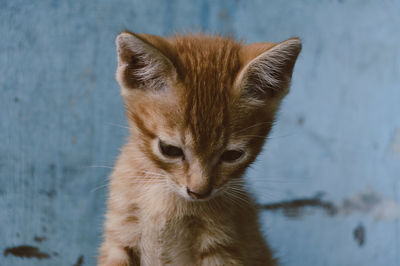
(196, 195)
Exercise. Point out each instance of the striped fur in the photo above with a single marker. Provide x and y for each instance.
(204, 94)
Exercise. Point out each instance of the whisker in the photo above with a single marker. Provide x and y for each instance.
(237, 198)
(255, 125)
(252, 136)
(267, 181)
(118, 125)
(152, 173)
(237, 181)
(265, 136)
(238, 191)
(146, 178)
(282, 136)
(145, 182)
(98, 188)
(100, 166)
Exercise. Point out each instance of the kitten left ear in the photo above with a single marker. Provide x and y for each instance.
(142, 62)
(269, 70)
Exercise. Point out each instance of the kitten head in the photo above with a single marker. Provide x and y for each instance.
(200, 107)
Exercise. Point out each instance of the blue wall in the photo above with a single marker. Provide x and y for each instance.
(329, 176)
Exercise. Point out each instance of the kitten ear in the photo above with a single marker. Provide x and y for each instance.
(268, 69)
(141, 64)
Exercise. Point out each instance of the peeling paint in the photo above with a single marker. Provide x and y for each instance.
(395, 143)
(296, 208)
(300, 120)
(359, 234)
(40, 238)
(80, 261)
(26, 251)
(365, 202)
(373, 203)
(49, 193)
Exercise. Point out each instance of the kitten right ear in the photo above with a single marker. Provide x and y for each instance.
(140, 64)
(268, 69)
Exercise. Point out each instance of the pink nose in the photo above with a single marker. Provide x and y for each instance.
(195, 195)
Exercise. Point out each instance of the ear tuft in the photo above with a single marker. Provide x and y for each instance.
(140, 64)
(269, 74)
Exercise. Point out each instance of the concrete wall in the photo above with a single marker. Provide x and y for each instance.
(329, 177)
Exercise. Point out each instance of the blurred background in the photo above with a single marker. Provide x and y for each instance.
(328, 179)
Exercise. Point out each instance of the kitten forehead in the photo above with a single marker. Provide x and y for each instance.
(207, 68)
(216, 88)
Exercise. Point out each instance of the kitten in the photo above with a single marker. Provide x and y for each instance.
(199, 109)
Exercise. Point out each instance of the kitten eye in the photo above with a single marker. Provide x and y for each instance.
(170, 150)
(231, 155)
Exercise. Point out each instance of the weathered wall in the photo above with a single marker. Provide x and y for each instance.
(336, 147)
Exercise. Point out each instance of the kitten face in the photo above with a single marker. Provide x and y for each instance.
(200, 107)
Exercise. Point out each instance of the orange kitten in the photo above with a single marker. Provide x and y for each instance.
(199, 109)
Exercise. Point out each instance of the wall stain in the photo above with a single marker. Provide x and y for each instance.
(49, 193)
(395, 143)
(39, 238)
(296, 208)
(300, 120)
(367, 202)
(359, 234)
(25, 251)
(80, 261)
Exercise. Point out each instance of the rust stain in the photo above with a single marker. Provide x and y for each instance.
(80, 261)
(49, 193)
(40, 238)
(25, 251)
(295, 208)
(359, 234)
(367, 202)
(395, 143)
(300, 120)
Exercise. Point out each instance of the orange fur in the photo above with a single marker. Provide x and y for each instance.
(206, 95)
